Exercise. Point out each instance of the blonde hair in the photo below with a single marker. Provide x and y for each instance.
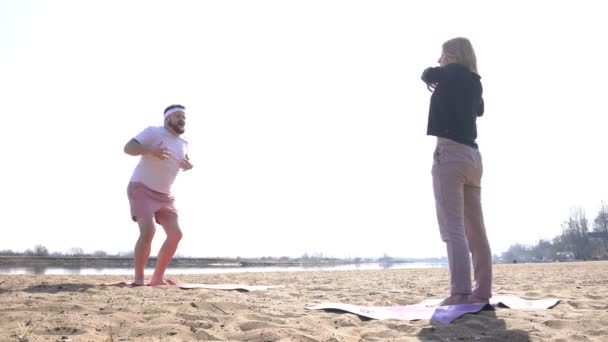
(460, 50)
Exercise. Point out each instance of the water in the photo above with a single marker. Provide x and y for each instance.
(210, 270)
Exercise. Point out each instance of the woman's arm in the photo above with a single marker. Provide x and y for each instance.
(481, 108)
(434, 75)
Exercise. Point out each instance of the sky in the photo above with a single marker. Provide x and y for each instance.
(306, 121)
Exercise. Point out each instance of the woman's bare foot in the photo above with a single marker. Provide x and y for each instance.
(455, 299)
(473, 299)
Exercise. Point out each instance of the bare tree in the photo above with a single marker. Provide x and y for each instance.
(575, 241)
(575, 234)
(126, 254)
(600, 224)
(40, 250)
(76, 251)
(543, 251)
(517, 253)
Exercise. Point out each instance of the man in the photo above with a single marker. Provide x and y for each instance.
(163, 153)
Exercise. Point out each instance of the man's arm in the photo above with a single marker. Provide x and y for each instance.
(186, 164)
(134, 148)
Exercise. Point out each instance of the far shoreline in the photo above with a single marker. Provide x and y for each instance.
(177, 262)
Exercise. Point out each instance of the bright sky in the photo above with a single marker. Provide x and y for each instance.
(306, 120)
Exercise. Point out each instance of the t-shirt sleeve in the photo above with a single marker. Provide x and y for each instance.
(146, 137)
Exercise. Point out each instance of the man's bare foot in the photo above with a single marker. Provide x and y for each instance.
(455, 299)
(139, 282)
(473, 299)
(157, 282)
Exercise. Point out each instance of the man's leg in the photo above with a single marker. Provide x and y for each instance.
(143, 246)
(170, 224)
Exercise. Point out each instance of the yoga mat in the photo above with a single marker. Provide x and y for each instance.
(430, 309)
(444, 314)
(204, 286)
(509, 301)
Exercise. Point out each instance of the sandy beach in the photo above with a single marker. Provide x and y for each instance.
(79, 308)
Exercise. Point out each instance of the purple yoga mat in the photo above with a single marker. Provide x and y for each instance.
(443, 314)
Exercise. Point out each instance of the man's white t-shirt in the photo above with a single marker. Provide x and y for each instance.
(155, 173)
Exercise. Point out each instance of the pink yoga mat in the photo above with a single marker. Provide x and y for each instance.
(205, 286)
(430, 309)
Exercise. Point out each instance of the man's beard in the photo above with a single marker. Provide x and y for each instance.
(177, 128)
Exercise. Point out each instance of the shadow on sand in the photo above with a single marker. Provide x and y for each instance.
(56, 288)
(482, 326)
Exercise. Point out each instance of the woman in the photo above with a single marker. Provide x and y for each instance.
(457, 169)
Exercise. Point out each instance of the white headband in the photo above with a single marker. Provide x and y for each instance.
(173, 110)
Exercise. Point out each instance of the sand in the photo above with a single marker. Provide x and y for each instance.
(78, 308)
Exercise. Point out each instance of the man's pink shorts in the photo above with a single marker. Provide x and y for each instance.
(146, 202)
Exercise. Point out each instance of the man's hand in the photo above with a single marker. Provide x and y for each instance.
(160, 152)
(186, 164)
(134, 148)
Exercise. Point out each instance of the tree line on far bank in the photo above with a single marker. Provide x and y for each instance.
(579, 240)
(42, 251)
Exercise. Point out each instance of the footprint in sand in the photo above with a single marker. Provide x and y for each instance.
(595, 297)
(345, 321)
(197, 325)
(64, 331)
(105, 311)
(572, 325)
(403, 328)
(248, 326)
(202, 335)
(268, 318)
(197, 317)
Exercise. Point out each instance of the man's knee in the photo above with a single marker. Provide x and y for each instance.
(170, 224)
(175, 234)
(146, 229)
(148, 234)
